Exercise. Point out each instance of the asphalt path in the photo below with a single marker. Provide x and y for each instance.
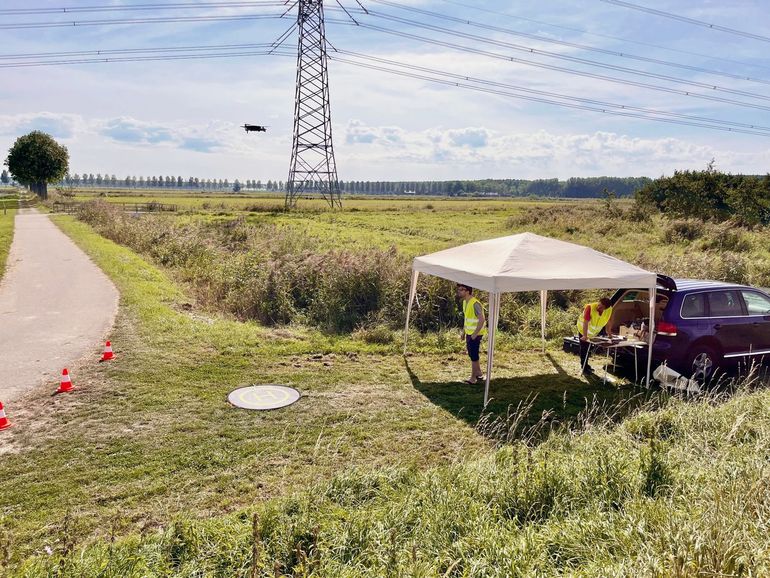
(56, 306)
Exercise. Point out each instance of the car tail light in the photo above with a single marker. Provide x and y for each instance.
(665, 328)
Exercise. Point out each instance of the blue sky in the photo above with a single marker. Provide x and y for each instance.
(181, 117)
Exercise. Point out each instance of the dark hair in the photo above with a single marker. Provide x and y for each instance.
(466, 287)
(606, 302)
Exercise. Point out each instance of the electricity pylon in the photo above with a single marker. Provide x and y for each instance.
(312, 168)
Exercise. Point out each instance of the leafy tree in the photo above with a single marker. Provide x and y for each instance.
(4, 178)
(237, 186)
(36, 159)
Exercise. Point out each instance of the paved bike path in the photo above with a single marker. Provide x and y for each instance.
(56, 305)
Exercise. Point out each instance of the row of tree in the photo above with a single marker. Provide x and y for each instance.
(167, 182)
(591, 187)
(710, 195)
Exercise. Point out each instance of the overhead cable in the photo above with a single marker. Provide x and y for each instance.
(565, 57)
(160, 57)
(574, 72)
(583, 100)
(688, 20)
(544, 100)
(137, 7)
(160, 20)
(585, 47)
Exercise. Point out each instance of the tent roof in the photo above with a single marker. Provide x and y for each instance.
(529, 262)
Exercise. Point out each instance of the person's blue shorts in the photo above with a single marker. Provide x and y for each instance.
(473, 346)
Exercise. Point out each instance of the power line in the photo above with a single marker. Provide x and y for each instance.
(557, 56)
(688, 20)
(138, 7)
(160, 57)
(551, 94)
(568, 44)
(607, 36)
(547, 101)
(450, 79)
(29, 25)
(273, 46)
(132, 51)
(570, 71)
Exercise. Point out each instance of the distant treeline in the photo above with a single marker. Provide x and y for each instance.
(710, 195)
(573, 188)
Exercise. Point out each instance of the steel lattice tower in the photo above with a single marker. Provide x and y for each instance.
(312, 168)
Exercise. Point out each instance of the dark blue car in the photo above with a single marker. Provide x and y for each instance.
(701, 326)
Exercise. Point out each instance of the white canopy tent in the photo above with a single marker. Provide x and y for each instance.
(529, 262)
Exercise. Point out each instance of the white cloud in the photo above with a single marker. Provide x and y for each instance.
(477, 152)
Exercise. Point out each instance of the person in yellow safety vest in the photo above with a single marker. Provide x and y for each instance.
(591, 321)
(474, 328)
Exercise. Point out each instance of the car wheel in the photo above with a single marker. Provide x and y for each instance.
(703, 362)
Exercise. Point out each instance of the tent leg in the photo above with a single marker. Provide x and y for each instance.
(494, 314)
(651, 334)
(412, 293)
(543, 305)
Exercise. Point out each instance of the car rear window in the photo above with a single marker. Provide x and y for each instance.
(756, 303)
(694, 306)
(724, 304)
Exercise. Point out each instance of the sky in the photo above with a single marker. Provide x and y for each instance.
(182, 117)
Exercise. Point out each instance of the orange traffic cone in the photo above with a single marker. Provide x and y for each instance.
(66, 383)
(108, 354)
(4, 423)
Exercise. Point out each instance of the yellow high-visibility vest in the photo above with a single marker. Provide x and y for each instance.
(471, 321)
(597, 322)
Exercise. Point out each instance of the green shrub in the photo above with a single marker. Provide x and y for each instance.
(729, 267)
(726, 237)
(683, 230)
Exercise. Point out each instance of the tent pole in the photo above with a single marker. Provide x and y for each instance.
(651, 337)
(494, 313)
(412, 293)
(543, 305)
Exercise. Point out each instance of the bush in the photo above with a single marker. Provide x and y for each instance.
(683, 230)
(726, 237)
(375, 335)
(729, 267)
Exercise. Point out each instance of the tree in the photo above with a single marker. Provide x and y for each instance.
(36, 159)
(4, 178)
(237, 186)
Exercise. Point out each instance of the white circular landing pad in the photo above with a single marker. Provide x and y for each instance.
(263, 396)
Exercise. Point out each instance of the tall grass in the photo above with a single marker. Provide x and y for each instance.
(272, 274)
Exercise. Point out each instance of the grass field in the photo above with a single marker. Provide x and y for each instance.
(382, 467)
(6, 234)
(151, 435)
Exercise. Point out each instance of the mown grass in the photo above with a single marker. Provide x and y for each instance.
(6, 234)
(682, 491)
(150, 435)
